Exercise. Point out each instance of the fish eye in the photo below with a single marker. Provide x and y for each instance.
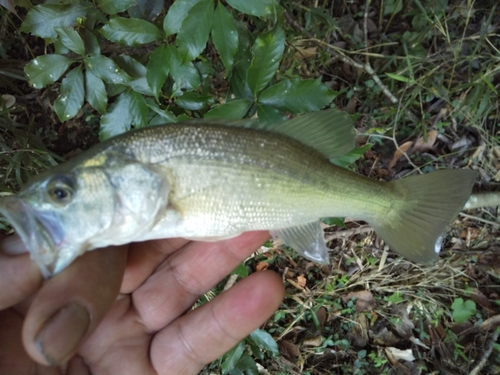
(60, 189)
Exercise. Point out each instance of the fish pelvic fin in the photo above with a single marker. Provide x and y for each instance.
(307, 240)
(416, 225)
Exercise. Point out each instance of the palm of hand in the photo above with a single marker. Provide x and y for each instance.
(146, 330)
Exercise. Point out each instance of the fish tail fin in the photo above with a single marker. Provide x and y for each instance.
(426, 206)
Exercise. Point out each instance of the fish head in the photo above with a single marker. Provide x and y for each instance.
(58, 213)
(81, 206)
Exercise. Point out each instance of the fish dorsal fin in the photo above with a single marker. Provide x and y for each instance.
(330, 132)
(307, 240)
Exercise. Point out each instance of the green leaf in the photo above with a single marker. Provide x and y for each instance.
(113, 6)
(186, 76)
(193, 101)
(298, 96)
(395, 297)
(138, 109)
(241, 270)
(71, 40)
(130, 31)
(136, 71)
(235, 109)
(268, 52)
(346, 160)
(246, 366)
(167, 116)
(264, 340)
(176, 15)
(157, 70)
(95, 92)
(231, 358)
(118, 118)
(91, 43)
(400, 78)
(193, 34)
(337, 221)
(225, 36)
(70, 100)
(147, 9)
(45, 70)
(259, 8)
(106, 69)
(462, 311)
(43, 19)
(269, 115)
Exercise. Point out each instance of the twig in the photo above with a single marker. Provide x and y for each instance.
(486, 354)
(337, 53)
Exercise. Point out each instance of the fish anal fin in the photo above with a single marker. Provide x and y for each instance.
(307, 240)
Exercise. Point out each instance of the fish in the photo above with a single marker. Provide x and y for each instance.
(208, 180)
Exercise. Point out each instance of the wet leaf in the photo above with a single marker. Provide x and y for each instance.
(70, 100)
(176, 14)
(269, 115)
(43, 19)
(45, 70)
(118, 118)
(71, 40)
(106, 69)
(193, 101)
(259, 8)
(113, 6)
(225, 36)
(157, 70)
(235, 109)
(130, 31)
(298, 96)
(95, 92)
(267, 54)
(193, 34)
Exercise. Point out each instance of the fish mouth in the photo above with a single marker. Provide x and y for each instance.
(38, 230)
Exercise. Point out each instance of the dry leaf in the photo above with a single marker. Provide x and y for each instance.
(405, 355)
(306, 53)
(313, 341)
(290, 350)
(301, 281)
(322, 315)
(262, 266)
(399, 153)
(422, 146)
(364, 300)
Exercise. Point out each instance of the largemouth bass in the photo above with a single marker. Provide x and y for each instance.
(209, 180)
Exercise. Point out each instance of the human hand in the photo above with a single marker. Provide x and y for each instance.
(75, 321)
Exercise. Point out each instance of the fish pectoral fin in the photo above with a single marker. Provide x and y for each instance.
(307, 239)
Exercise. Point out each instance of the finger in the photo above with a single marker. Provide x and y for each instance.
(144, 257)
(19, 275)
(206, 333)
(71, 304)
(189, 273)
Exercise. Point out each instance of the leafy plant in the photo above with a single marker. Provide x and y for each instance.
(138, 64)
(463, 310)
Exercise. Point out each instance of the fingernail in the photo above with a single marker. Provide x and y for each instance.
(62, 333)
(13, 245)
